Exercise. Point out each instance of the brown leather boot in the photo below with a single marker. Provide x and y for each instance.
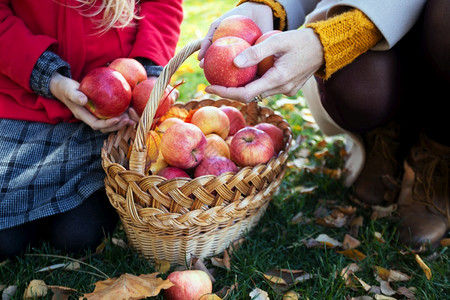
(424, 201)
(379, 180)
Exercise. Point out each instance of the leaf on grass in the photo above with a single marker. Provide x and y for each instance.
(35, 289)
(445, 242)
(235, 245)
(353, 254)
(336, 219)
(61, 292)
(379, 237)
(291, 295)
(305, 189)
(300, 219)
(162, 265)
(9, 292)
(350, 242)
(391, 275)
(258, 294)
(407, 292)
(222, 262)
(129, 286)
(424, 267)
(210, 297)
(383, 297)
(197, 264)
(382, 211)
(119, 242)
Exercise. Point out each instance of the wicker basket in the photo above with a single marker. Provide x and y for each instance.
(179, 218)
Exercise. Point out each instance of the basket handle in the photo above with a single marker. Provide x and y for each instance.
(138, 152)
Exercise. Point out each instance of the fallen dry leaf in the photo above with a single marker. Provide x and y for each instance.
(424, 267)
(328, 241)
(35, 289)
(379, 237)
(445, 242)
(128, 286)
(383, 211)
(162, 265)
(350, 242)
(210, 297)
(291, 295)
(258, 294)
(61, 292)
(353, 254)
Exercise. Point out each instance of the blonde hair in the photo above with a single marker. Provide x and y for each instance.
(116, 13)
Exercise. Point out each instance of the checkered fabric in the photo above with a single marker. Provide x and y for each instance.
(46, 169)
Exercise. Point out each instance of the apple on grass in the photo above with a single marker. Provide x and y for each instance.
(275, 133)
(108, 92)
(183, 145)
(211, 119)
(267, 62)
(141, 95)
(215, 165)
(251, 146)
(133, 71)
(239, 26)
(216, 146)
(218, 65)
(188, 285)
(236, 118)
(172, 172)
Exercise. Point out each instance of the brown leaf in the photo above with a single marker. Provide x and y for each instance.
(353, 254)
(129, 286)
(383, 211)
(350, 242)
(35, 289)
(61, 292)
(162, 265)
(210, 297)
(445, 242)
(404, 291)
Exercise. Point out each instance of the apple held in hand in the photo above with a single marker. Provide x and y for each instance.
(211, 119)
(215, 165)
(131, 69)
(236, 118)
(275, 133)
(251, 146)
(173, 172)
(188, 285)
(239, 26)
(183, 145)
(218, 63)
(108, 92)
(141, 95)
(267, 62)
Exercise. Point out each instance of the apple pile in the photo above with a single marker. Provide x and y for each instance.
(233, 35)
(211, 141)
(121, 84)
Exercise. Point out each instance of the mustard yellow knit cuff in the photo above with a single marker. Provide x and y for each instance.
(279, 14)
(344, 37)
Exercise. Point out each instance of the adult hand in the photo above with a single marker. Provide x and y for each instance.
(298, 55)
(67, 91)
(261, 14)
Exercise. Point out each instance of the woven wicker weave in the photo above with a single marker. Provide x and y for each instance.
(179, 218)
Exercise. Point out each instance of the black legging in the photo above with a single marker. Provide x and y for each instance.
(408, 82)
(79, 229)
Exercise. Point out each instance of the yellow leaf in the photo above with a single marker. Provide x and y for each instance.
(210, 297)
(445, 242)
(274, 279)
(129, 286)
(353, 254)
(291, 295)
(35, 289)
(162, 265)
(424, 267)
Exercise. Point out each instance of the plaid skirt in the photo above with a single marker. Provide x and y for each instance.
(46, 169)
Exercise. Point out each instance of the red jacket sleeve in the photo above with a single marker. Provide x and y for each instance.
(158, 30)
(19, 48)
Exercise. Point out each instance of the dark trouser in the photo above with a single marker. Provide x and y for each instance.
(79, 229)
(409, 83)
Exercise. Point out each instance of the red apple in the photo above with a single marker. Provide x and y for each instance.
(141, 95)
(251, 146)
(237, 120)
(218, 63)
(188, 285)
(167, 123)
(215, 165)
(216, 146)
(131, 69)
(211, 119)
(172, 172)
(267, 62)
(183, 145)
(239, 26)
(109, 94)
(275, 133)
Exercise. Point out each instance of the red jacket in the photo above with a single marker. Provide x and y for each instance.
(29, 27)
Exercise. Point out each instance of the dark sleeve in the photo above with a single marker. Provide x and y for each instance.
(153, 70)
(42, 72)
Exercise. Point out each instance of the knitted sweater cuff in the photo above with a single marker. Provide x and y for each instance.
(279, 14)
(344, 38)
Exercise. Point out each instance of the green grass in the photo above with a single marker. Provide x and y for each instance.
(275, 243)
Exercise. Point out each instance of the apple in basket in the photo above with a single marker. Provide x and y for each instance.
(172, 172)
(215, 165)
(167, 123)
(275, 133)
(188, 285)
(133, 71)
(267, 62)
(251, 146)
(211, 119)
(216, 146)
(218, 65)
(183, 145)
(108, 92)
(239, 26)
(141, 95)
(237, 120)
